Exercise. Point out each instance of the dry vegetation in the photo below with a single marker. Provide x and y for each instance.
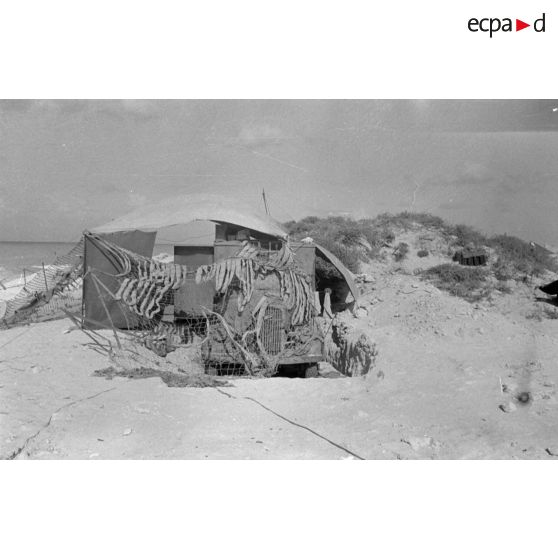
(367, 240)
(466, 282)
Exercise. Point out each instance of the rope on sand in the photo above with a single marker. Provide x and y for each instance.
(339, 446)
(19, 450)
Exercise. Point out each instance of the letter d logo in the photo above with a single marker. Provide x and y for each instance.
(539, 25)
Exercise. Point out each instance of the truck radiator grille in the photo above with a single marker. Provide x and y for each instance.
(271, 333)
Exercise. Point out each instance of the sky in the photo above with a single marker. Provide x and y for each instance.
(70, 165)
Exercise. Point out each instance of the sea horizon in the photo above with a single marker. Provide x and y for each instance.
(38, 242)
(19, 255)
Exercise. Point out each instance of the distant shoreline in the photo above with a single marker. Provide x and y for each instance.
(38, 242)
(19, 255)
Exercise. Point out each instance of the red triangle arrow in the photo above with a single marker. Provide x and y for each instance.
(519, 25)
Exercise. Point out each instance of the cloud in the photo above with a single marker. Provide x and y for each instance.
(258, 135)
(138, 108)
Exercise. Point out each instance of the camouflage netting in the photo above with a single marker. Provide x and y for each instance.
(49, 293)
(348, 349)
(263, 312)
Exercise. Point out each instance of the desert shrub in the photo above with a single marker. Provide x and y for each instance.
(407, 220)
(534, 315)
(538, 313)
(550, 312)
(376, 235)
(425, 219)
(422, 253)
(339, 235)
(353, 241)
(465, 282)
(350, 257)
(519, 257)
(350, 234)
(401, 251)
(466, 236)
(503, 287)
(388, 236)
(503, 269)
(302, 228)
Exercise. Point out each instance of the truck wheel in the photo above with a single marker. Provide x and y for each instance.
(311, 371)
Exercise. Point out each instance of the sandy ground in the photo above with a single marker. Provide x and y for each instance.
(444, 370)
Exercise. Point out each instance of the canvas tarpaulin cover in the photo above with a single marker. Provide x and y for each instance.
(336, 262)
(98, 264)
(184, 209)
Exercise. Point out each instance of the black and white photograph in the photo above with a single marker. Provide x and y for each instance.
(279, 279)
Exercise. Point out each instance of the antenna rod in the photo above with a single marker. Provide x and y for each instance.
(265, 201)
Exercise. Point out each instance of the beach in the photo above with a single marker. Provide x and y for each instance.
(20, 261)
(18, 256)
(15, 257)
(444, 386)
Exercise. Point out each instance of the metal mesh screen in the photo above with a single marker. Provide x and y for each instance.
(271, 333)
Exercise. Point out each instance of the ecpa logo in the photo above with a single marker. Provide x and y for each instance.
(494, 24)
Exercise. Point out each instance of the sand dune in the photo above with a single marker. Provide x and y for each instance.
(446, 385)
